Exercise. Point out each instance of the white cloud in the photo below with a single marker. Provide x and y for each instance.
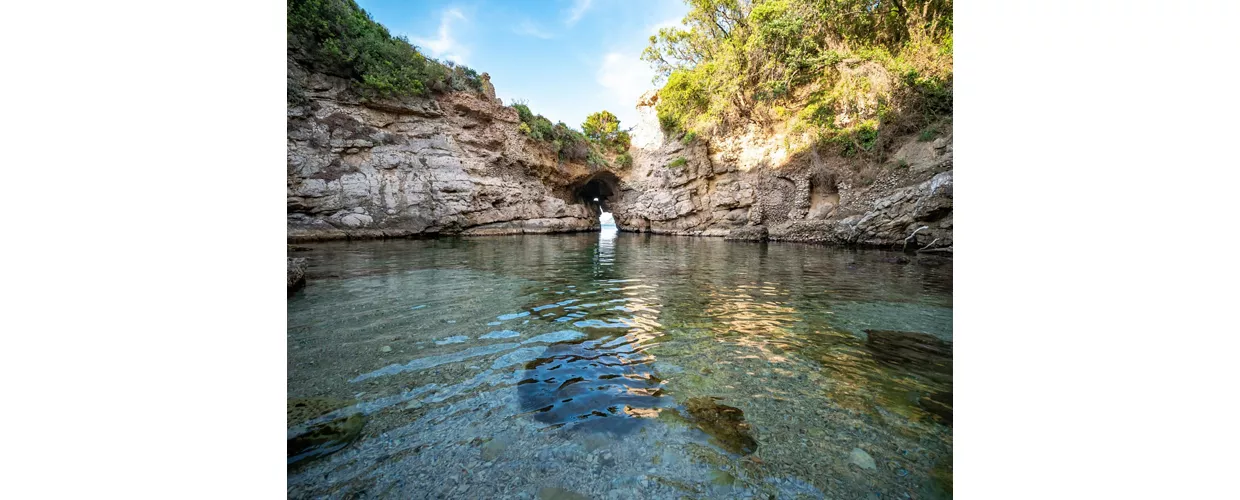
(626, 77)
(670, 23)
(579, 9)
(528, 28)
(446, 46)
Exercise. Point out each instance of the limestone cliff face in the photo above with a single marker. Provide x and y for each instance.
(456, 164)
(452, 164)
(750, 187)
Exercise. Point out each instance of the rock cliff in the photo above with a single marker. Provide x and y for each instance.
(451, 164)
(752, 187)
(457, 164)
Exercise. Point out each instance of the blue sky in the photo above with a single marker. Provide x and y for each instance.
(566, 58)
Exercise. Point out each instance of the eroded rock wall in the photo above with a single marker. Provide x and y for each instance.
(456, 164)
(451, 164)
(751, 187)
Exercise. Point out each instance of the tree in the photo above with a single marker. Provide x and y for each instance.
(601, 127)
(604, 128)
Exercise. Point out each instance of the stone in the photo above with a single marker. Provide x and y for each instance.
(726, 424)
(309, 439)
(557, 493)
(862, 459)
(456, 163)
(386, 348)
(296, 274)
(750, 233)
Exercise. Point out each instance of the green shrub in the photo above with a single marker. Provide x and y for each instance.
(524, 112)
(338, 38)
(603, 128)
(680, 161)
(625, 160)
(732, 58)
(567, 143)
(595, 159)
(622, 141)
(688, 138)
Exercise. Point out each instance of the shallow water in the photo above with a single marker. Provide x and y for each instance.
(622, 366)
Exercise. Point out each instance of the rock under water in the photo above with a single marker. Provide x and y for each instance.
(309, 439)
(296, 274)
(726, 424)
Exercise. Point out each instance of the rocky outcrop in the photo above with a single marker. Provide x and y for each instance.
(457, 164)
(451, 164)
(296, 274)
(751, 187)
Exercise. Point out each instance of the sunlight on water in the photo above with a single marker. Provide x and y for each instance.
(619, 365)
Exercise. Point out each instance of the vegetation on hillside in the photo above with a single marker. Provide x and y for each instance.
(337, 37)
(604, 129)
(842, 72)
(601, 143)
(567, 143)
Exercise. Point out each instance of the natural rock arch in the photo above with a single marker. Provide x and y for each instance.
(602, 186)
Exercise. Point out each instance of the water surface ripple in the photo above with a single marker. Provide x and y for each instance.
(622, 366)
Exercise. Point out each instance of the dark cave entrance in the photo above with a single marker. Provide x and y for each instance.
(596, 191)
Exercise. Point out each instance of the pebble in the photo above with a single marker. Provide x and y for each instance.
(386, 348)
(862, 459)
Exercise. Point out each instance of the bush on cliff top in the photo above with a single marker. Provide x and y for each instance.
(337, 37)
(601, 134)
(604, 129)
(567, 143)
(743, 61)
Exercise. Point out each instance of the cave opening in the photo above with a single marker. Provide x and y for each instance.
(595, 192)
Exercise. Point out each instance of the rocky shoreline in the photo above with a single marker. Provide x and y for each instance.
(457, 164)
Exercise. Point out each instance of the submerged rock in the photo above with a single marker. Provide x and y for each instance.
(556, 493)
(311, 441)
(920, 354)
(939, 404)
(862, 459)
(326, 438)
(726, 424)
(296, 274)
(301, 410)
(932, 261)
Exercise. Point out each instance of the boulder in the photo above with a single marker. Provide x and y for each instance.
(748, 233)
(296, 274)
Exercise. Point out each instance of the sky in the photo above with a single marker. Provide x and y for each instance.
(564, 58)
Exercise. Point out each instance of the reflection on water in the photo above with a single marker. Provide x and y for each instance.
(623, 366)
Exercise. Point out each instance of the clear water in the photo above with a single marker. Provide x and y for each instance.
(621, 366)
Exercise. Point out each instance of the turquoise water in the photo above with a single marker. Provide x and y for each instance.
(608, 365)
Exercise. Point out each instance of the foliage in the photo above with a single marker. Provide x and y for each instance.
(603, 128)
(596, 160)
(680, 161)
(337, 37)
(624, 160)
(568, 144)
(842, 63)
